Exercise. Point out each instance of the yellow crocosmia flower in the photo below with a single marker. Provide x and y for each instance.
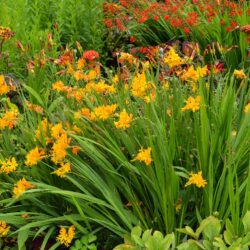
(81, 63)
(124, 120)
(115, 79)
(144, 155)
(140, 85)
(192, 104)
(190, 75)
(9, 120)
(58, 86)
(102, 87)
(104, 112)
(63, 170)
(4, 228)
(247, 108)
(173, 59)
(57, 130)
(78, 75)
(20, 187)
(8, 165)
(239, 74)
(65, 237)
(34, 156)
(202, 71)
(58, 151)
(4, 88)
(197, 180)
(128, 58)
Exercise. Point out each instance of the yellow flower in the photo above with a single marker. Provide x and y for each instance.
(20, 187)
(104, 112)
(173, 59)
(144, 155)
(58, 86)
(78, 75)
(58, 152)
(239, 74)
(34, 156)
(57, 131)
(4, 88)
(124, 120)
(192, 104)
(8, 165)
(65, 237)
(197, 180)
(81, 63)
(190, 74)
(101, 87)
(9, 119)
(140, 85)
(247, 108)
(4, 228)
(63, 170)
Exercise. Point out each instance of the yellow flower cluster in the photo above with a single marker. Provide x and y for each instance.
(140, 85)
(239, 74)
(58, 152)
(144, 155)
(4, 228)
(63, 170)
(34, 156)
(193, 75)
(65, 237)
(192, 104)
(173, 59)
(8, 166)
(4, 88)
(124, 120)
(103, 112)
(197, 180)
(20, 187)
(9, 120)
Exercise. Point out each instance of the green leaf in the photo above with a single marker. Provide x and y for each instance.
(246, 222)
(22, 238)
(34, 94)
(189, 231)
(212, 227)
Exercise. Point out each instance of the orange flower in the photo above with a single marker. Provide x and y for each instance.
(124, 120)
(239, 74)
(104, 112)
(34, 156)
(65, 237)
(197, 180)
(4, 88)
(4, 228)
(63, 170)
(144, 155)
(9, 119)
(58, 152)
(21, 187)
(192, 104)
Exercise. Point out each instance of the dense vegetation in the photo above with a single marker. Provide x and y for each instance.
(124, 121)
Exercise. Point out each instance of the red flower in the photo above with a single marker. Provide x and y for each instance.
(132, 39)
(90, 55)
(186, 30)
(166, 17)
